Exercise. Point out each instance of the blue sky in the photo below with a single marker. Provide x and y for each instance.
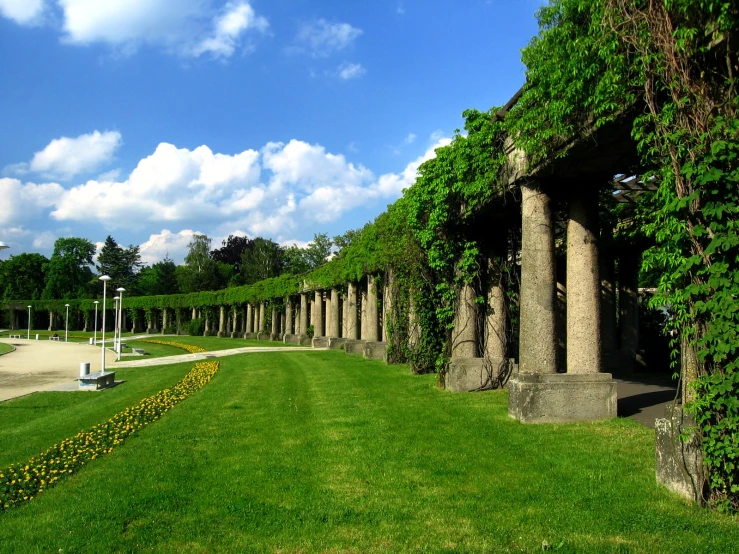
(150, 120)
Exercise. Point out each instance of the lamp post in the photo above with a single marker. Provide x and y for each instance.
(120, 291)
(115, 323)
(104, 279)
(66, 323)
(3, 246)
(29, 322)
(95, 332)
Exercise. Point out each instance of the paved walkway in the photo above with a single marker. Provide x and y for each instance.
(43, 365)
(644, 400)
(147, 362)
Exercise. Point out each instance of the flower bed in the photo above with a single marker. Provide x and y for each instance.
(189, 347)
(23, 481)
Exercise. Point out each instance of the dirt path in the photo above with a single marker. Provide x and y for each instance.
(42, 365)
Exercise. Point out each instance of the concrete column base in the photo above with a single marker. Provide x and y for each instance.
(679, 465)
(250, 335)
(476, 374)
(335, 344)
(320, 342)
(262, 336)
(375, 350)
(562, 397)
(274, 336)
(354, 346)
(220, 334)
(289, 338)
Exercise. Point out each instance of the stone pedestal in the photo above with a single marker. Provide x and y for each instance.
(679, 465)
(320, 342)
(562, 397)
(375, 350)
(354, 346)
(335, 344)
(476, 374)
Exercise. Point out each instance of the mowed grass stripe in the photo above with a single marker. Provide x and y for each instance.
(314, 452)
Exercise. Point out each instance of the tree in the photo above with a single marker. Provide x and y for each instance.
(23, 277)
(69, 272)
(200, 272)
(121, 264)
(264, 260)
(343, 242)
(231, 251)
(318, 251)
(160, 278)
(294, 259)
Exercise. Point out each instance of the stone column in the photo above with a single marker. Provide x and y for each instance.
(333, 319)
(273, 333)
(221, 320)
(464, 334)
(86, 315)
(496, 326)
(164, 320)
(350, 313)
(363, 315)
(52, 320)
(373, 320)
(262, 316)
(302, 328)
(249, 323)
(318, 330)
(538, 345)
(289, 328)
(414, 325)
(387, 304)
(194, 314)
(282, 325)
(583, 285)
(628, 277)
(236, 328)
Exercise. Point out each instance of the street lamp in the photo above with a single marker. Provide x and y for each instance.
(95, 331)
(120, 291)
(66, 323)
(115, 322)
(104, 279)
(3, 246)
(29, 322)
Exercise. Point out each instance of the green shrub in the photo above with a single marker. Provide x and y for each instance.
(196, 326)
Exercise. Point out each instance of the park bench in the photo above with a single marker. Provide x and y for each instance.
(54, 338)
(14, 336)
(138, 351)
(97, 380)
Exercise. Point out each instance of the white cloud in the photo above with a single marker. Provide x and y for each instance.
(24, 201)
(228, 28)
(166, 243)
(281, 191)
(183, 27)
(410, 139)
(321, 38)
(349, 71)
(44, 240)
(23, 12)
(66, 157)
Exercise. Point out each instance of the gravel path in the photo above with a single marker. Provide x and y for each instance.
(43, 365)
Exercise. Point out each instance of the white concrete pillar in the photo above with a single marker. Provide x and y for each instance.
(221, 321)
(538, 347)
(464, 333)
(302, 329)
(350, 313)
(584, 352)
(333, 327)
(318, 330)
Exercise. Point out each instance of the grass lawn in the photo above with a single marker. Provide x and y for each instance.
(210, 344)
(323, 452)
(5, 348)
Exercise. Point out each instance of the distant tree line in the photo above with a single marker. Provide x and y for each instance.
(71, 272)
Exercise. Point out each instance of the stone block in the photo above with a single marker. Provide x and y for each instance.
(250, 335)
(562, 397)
(375, 350)
(320, 342)
(679, 465)
(354, 346)
(291, 339)
(335, 344)
(475, 374)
